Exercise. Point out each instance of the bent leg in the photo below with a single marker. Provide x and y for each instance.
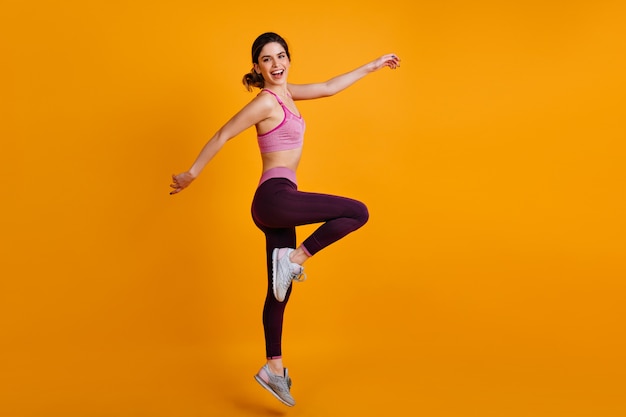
(278, 207)
(288, 207)
(340, 215)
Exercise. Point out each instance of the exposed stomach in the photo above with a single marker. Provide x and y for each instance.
(288, 159)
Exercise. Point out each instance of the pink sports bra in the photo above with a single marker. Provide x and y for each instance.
(289, 134)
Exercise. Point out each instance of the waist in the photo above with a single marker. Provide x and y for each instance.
(279, 172)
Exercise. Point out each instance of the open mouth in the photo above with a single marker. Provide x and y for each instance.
(277, 73)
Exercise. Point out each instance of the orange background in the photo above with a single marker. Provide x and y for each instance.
(489, 280)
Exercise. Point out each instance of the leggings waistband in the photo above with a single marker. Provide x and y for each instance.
(278, 172)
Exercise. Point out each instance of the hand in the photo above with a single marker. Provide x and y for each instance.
(390, 60)
(180, 182)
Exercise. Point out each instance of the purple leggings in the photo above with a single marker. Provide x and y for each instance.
(278, 207)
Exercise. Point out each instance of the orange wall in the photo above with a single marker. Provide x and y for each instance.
(491, 273)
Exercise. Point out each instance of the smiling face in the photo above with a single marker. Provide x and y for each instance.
(273, 64)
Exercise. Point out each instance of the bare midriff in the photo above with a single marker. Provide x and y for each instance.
(288, 159)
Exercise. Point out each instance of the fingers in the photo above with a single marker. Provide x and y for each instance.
(393, 61)
(390, 60)
(180, 182)
(177, 188)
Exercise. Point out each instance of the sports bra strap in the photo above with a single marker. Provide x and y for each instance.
(275, 95)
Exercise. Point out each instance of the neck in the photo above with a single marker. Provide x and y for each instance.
(281, 91)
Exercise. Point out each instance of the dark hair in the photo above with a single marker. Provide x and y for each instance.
(254, 79)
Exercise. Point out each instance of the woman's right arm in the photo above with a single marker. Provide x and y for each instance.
(257, 110)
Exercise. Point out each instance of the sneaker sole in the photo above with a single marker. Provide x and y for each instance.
(267, 387)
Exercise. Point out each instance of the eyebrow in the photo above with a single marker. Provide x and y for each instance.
(269, 56)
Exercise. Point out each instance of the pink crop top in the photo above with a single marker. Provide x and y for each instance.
(289, 134)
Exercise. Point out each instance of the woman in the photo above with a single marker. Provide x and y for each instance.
(278, 206)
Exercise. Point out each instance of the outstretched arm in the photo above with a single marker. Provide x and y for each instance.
(257, 110)
(341, 82)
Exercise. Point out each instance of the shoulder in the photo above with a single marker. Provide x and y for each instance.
(262, 106)
(294, 90)
(264, 98)
(264, 101)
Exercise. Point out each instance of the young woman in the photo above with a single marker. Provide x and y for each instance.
(278, 207)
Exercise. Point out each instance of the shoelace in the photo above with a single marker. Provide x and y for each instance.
(287, 378)
(275, 381)
(298, 277)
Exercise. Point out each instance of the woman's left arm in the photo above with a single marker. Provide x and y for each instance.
(341, 82)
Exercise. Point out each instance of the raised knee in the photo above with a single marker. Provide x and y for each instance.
(362, 213)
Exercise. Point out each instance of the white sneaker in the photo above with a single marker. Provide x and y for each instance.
(283, 272)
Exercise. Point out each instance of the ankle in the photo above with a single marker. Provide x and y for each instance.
(298, 256)
(276, 366)
(276, 370)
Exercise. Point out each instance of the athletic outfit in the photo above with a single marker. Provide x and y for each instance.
(278, 207)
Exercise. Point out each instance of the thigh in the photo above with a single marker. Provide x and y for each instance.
(288, 207)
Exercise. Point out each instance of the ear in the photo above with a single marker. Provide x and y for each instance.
(257, 69)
